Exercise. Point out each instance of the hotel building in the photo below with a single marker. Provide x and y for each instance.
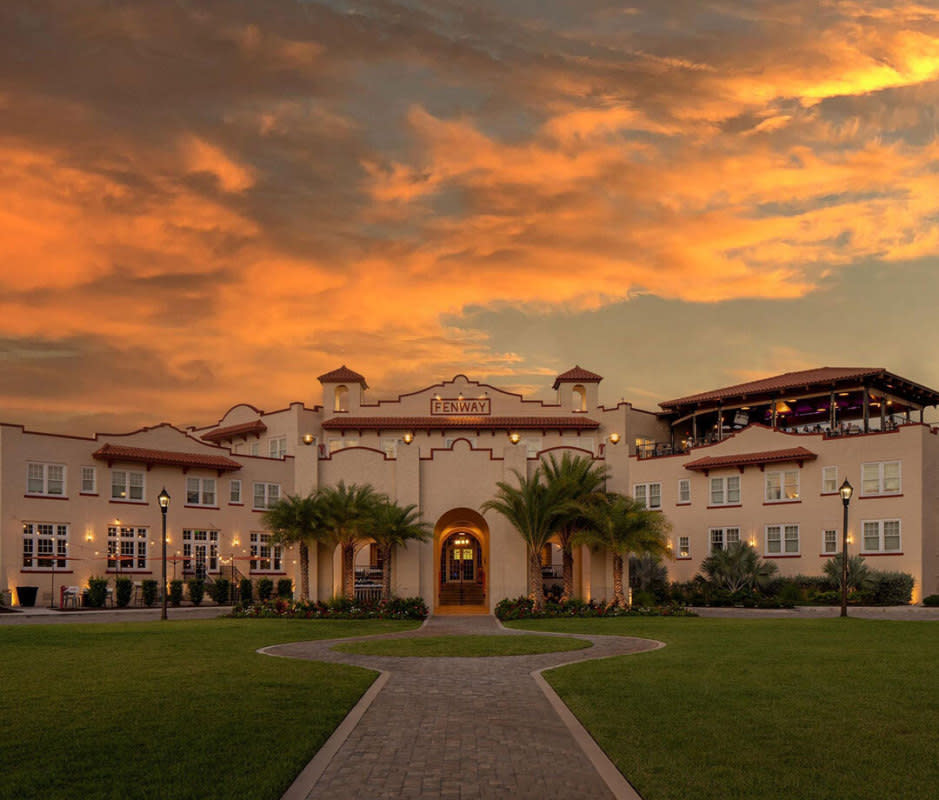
(759, 462)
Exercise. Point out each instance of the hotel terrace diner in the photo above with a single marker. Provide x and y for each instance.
(760, 462)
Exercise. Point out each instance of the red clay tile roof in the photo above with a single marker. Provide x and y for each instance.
(245, 428)
(170, 458)
(577, 375)
(460, 423)
(780, 383)
(343, 375)
(751, 459)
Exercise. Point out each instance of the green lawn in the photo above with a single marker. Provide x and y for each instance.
(763, 708)
(463, 646)
(172, 710)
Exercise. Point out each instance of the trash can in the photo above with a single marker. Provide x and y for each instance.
(27, 595)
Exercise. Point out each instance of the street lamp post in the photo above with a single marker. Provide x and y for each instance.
(164, 499)
(846, 491)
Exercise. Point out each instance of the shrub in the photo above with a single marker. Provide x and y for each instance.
(858, 572)
(523, 608)
(219, 590)
(176, 592)
(285, 588)
(931, 600)
(196, 590)
(337, 608)
(97, 592)
(265, 589)
(123, 589)
(889, 588)
(149, 592)
(244, 590)
(789, 594)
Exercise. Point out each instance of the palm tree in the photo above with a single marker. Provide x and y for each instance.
(393, 525)
(531, 508)
(858, 571)
(738, 566)
(346, 517)
(625, 527)
(295, 519)
(579, 481)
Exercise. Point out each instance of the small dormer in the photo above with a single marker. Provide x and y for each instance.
(342, 390)
(578, 389)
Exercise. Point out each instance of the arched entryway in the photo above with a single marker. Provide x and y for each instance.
(461, 545)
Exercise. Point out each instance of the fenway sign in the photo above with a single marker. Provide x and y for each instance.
(457, 407)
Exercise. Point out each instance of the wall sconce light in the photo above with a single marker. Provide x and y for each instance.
(408, 437)
(614, 438)
(514, 438)
(89, 537)
(308, 438)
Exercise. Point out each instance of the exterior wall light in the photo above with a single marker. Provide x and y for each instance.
(408, 437)
(308, 438)
(614, 438)
(514, 438)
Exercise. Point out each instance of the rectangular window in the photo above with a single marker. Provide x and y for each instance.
(200, 551)
(782, 486)
(265, 556)
(722, 538)
(649, 494)
(266, 494)
(278, 447)
(881, 536)
(127, 486)
(127, 548)
(684, 491)
(880, 478)
(782, 540)
(725, 491)
(829, 541)
(234, 491)
(45, 545)
(255, 448)
(45, 479)
(389, 446)
(200, 492)
(684, 547)
(89, 480)
(533, 446)
(829, 480)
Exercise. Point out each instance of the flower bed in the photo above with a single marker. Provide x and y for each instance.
(339, 608)
(523, 608)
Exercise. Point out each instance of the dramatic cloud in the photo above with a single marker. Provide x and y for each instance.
(208, 203)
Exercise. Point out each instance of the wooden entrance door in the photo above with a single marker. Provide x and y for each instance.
(461, 573)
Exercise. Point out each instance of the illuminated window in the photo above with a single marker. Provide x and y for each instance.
(580, 398)
(684, 547)
(127, 486)
(782, 487)
(45, 545)
(341, 399)
(265, 556)
(127, 548)
(200, 551)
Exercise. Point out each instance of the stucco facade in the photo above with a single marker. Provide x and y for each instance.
(87, 506)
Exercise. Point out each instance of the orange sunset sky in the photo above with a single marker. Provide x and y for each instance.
(206, 203)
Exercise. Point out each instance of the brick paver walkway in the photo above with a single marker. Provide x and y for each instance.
(459, 727)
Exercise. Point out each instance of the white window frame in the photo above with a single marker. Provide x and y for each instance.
(533, 445)
(206, 492)
(270, 494)
(826, 551)
(126, 487)
(830, 481)
(263, 551)
(784, 490)
(48, 486)
(89, 480)
(192, 537)
(643, 493)
(277, 447)
(46, 542)
(234, 492)
(132, 543)
(880, 468)
(684, 547)
(255, 448)
(389, 445)
(724, 482)
(879, 527)
(684, 491)
(788, 543)
(726, 537)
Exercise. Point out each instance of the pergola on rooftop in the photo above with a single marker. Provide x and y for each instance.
(833, 401)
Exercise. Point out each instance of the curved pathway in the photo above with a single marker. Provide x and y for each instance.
(461, 727)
